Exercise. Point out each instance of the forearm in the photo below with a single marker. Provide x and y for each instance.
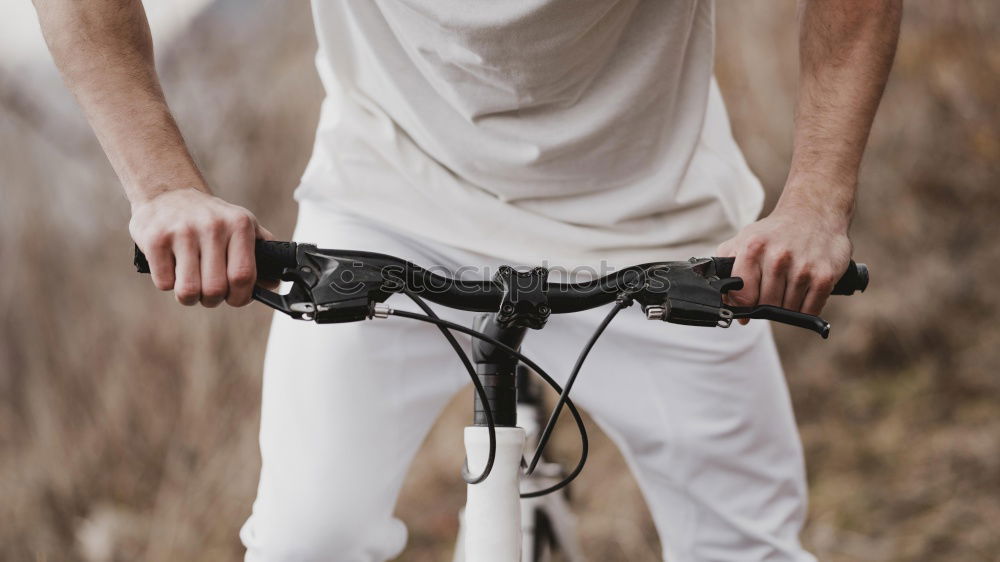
(198, 246)
(104, 51)
(846, 52)
(793, 257)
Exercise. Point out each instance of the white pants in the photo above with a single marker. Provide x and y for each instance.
(701, 415)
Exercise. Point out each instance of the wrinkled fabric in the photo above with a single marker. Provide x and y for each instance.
(557, 131)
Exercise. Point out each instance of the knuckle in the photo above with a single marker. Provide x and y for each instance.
(159, 239)
(163, 283)
(211, 302)
(214, 228)
(824, 280)
(781, 257)
(214, 290)
(802, 275)
(184, 231)
(187, 291)
(776, 266)
(754, 244)
(243, 276)
(241, 222)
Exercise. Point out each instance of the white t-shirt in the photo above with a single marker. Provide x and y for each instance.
(564, 132)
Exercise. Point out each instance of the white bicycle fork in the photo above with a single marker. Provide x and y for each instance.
(495, 519)
(492, 519)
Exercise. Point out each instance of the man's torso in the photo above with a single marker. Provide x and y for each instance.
(564, 131)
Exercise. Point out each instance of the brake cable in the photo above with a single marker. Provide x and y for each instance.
(480, 390)
(584, 441)
(564, 396)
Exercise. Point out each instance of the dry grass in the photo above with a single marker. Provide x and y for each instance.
(128, 424)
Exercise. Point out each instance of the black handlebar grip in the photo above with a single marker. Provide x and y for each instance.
(141, 265)
(853, 280)
(272, 258)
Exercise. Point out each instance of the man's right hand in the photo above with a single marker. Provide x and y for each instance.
(199, 246)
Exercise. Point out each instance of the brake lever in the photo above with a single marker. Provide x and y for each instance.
(783, 315)
(328, 288)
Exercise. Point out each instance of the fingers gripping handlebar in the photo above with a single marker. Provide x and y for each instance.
(331, 286)
(854, 279)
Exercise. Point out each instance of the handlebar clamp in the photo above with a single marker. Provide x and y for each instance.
(524, 302)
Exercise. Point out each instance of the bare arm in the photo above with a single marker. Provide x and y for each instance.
(793, 257)
(198, 245)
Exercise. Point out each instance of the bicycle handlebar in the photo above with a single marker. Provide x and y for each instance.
(344, 285)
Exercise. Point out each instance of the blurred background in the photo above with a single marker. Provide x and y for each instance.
(128, 424)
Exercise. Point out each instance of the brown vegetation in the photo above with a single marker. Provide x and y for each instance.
(128, 424)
